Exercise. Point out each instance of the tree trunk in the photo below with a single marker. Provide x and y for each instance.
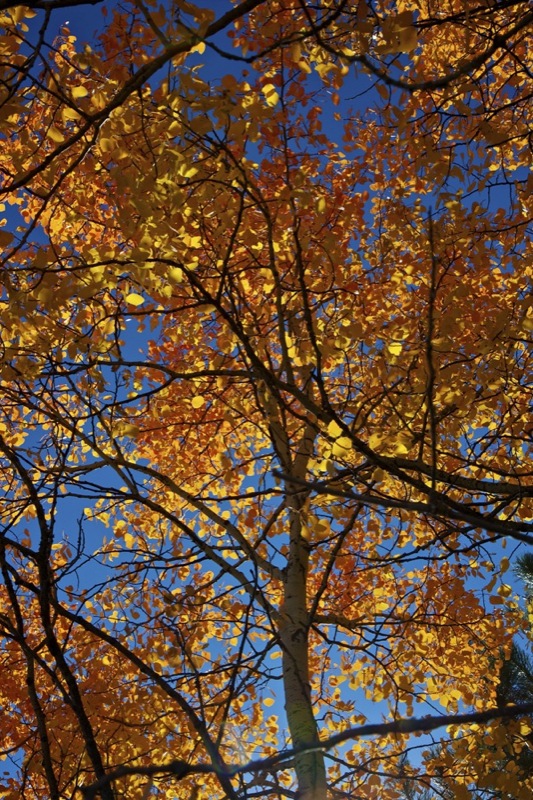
(294, 635)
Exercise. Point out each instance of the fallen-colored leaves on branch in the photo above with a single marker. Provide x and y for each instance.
(266, 395)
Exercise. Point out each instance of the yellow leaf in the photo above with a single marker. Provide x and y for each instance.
(334, 430)
(106, 145)
(192, 241)
(375, 440)
(341, 446)
(55, 135)
(129, 540)
(269, 701)
(271, 95)
(79, 91)
(69, 114)
(395, 348)
(198, 401)
(134, 299)
(187, 171)
(400, 448)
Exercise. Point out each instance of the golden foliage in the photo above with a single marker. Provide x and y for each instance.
(269, 324)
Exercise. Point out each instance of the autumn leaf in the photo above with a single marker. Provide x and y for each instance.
(265, 425)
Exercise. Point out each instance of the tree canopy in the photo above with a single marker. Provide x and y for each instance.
(265, 430)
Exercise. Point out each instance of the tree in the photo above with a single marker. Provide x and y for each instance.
(516, 675)
(287, 379)
(512, 755)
